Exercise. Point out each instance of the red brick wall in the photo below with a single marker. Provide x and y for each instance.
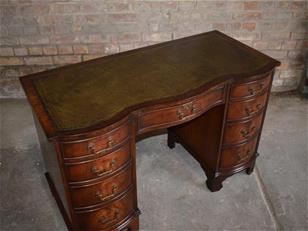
(36, 35)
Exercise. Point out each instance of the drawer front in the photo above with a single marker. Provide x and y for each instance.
(239, 132)
(99, 145)
(247, 108)
(98, 168)
(108, 216)
(231, 157)
(250, 89)
(103, 191)
(159, 118)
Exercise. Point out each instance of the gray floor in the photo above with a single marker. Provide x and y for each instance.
(172, 193)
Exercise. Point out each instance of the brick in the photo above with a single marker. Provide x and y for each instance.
(270, 45)
(80, 49)
(20, 51)
(128, 37)
(96, 49)
(63, 39)
(285, 74)
(64, 8)
(278, 54)
(251, 5)
(111, 49)
(35, 40)
(66, 59)
(122, 17)
(50, 50)
(118, 7)
(250, 26)
(63, 50)
(6, 51)
(289, 45)
(297, 55)
(126, 47)
(43, 60)
(247, 16)
(9, 61)
(9, 41)
(35, 50)
(37, 9)
(30, 30)
(157, 37)
(89, 57)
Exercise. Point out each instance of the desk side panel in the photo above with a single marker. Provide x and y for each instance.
(52, 162)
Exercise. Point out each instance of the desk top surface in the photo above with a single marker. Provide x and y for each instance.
(88, 93)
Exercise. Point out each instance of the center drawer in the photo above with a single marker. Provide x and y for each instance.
(153, 118)
(108, 216)
(98, 168)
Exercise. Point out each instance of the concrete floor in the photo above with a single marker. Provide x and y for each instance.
(171, 186)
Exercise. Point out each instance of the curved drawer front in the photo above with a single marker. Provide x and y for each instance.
(241, 131)
(99, 145)
(159, 118)
(101, 192)
(98, 168)
(250, 89)
(108, 216)
(234, 156)
(247, 108)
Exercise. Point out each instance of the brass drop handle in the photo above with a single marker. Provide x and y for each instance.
(250, 110)
(104, 171)
(240, 157)
(91, 146)
(246, 132)
(258, 106)
(194, 108)
(100, 196)
(110, 142)
(180, 114)
(107, 220)
(253, 91)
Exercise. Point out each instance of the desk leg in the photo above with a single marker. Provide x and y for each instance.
(171, 140)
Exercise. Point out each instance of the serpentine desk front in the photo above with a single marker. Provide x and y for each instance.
(209, 90)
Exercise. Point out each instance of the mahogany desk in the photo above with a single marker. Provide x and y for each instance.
(209, 90)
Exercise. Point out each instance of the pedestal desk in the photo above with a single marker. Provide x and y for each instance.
(209, 90)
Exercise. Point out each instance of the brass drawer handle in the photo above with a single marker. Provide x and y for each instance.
(104, 172)
(249, 110)
(180, 114)
(240, 157)
(246, 132)
(194, 108)
(100, 196)
(107, 220)
(91, 146)
(254, 91)
(110, 142)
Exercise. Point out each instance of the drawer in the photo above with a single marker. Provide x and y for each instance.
(107, 216)
(98, 168)
(233, 156)
(83, 196)
(248, 108)
(163, 117)
(250, 89)
(241, 131)
(99, 145)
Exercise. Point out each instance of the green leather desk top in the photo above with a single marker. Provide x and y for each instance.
(81, 95)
